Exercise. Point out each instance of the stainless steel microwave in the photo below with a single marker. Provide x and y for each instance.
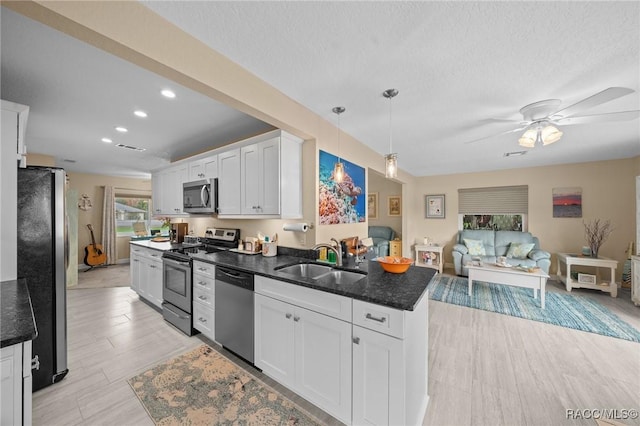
(200, 196)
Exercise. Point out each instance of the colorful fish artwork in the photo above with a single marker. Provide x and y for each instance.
(340, 201)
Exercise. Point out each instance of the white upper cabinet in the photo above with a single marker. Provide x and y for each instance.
(204, 168)
(258, 178)
(229, 182)
(167, 190)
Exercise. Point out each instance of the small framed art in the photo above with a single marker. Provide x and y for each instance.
(395, 206)
(434, 206)
(372, 205)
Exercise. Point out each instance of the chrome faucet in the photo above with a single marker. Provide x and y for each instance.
(337, 249)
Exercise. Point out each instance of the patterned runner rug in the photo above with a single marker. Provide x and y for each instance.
(579, 313)
(202, 387)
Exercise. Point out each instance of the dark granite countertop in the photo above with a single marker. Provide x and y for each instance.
(399, 291)
(16, 316)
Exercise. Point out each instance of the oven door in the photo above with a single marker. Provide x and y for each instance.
(176, 284)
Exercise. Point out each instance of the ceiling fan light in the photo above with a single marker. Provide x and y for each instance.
(391, 166)
(550, 134)
(528, 139)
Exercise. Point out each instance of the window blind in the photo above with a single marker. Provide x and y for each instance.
(494, 200)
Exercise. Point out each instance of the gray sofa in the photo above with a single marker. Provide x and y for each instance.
(381, 235)
(497, 243)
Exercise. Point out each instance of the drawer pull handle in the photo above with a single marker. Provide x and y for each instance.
(202, 297)
(296, 318)
(356, 340)
(202, 319)
(287, 316)
(371, 317)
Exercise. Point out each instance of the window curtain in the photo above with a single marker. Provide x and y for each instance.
(109, 225)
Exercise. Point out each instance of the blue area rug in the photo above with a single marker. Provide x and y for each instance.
(579, 313)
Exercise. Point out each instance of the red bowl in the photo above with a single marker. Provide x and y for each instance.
(395, 265)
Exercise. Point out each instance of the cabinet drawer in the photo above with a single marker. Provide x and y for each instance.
(203, 320)
(203, 268)
(379, 318)
(204, 282)
(319, 301)
(203, 295)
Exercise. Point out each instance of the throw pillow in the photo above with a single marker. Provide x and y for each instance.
(475, 247)
(519, 250)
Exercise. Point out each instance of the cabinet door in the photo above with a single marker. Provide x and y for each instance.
(378, 371)
(134, 269)
(11, 385)
(270, 171)
(323, 362)
(173, 186)
(250, 180)
(229, 182)
(154, 281)
(210, 167)
(274, 333)
(157, 192)
(143, 276)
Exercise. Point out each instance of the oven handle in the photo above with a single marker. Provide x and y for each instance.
(176, 263)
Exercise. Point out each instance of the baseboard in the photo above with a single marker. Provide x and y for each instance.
(84, 267)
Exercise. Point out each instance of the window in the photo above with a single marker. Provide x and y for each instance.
(501, 208)
(133, 215)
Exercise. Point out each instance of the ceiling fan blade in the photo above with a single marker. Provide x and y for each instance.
(495, 136)
(599, 118)
(599, 98)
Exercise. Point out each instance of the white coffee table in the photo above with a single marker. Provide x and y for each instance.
(499, 275)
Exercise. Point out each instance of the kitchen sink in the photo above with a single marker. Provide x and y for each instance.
(305, 270)
(318, 272)
(341, 277)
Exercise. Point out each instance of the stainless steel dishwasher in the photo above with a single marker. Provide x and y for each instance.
(234, 311)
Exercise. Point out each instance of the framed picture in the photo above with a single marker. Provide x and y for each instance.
(395, 206)
(372, 205)
(434, 206)
(567, 202)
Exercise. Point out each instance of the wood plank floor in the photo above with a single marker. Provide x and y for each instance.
(485, 368)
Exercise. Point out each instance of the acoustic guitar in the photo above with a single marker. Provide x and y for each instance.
(93, 253)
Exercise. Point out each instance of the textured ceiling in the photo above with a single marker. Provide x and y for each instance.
(457, 65)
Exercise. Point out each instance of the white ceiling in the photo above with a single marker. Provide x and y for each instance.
(457, 65)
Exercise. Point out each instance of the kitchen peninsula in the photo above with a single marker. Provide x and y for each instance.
(358, 350)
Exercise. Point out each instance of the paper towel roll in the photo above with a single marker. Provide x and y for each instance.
(298, 227)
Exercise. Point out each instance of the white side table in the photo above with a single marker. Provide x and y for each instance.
(434, 251)
(569, 260)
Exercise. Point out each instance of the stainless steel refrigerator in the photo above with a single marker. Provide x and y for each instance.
(42, 260)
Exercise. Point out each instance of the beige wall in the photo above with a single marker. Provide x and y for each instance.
(384, 188)
(608, 192)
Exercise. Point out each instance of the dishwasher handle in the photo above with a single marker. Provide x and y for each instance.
(234, 277)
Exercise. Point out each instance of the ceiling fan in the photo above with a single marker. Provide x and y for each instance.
(540, 119)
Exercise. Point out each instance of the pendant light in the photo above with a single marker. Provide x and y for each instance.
(338, 167)
(391, 159)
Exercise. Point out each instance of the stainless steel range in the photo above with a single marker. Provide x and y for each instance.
(177, 287)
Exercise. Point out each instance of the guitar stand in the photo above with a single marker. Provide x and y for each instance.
(104, 265)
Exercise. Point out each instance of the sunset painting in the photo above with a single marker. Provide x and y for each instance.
(567, 202)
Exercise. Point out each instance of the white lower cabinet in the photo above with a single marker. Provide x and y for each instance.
(146, 274)
(390, 364)
(635, 280)
(203, 299)
(363, 363)
(306, 351)
(16, 384)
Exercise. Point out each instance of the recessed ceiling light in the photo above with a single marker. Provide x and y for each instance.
(168, 93)
(106, 140)
(140, 114)
(122, 129)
